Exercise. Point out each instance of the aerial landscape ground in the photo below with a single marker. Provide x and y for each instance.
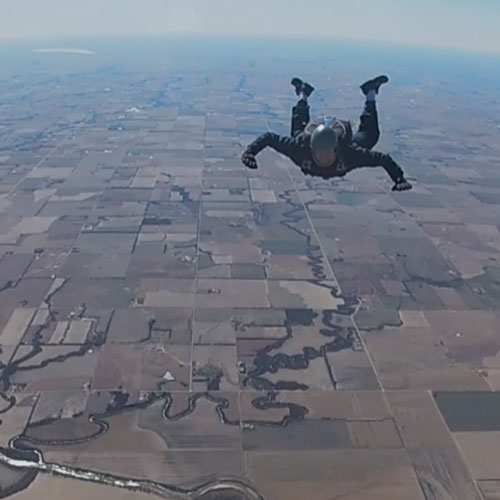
(175, 325)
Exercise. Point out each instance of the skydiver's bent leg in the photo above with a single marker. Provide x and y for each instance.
(368, 132)
(300, 112)
(300, 117)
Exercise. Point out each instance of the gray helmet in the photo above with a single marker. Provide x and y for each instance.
(324, 139)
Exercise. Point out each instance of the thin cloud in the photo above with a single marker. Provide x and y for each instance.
(64, 51)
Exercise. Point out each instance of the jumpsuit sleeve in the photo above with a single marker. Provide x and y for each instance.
(359, 157)
(280, 143)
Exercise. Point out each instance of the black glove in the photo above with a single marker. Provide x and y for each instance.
(401, 185)
(248, 159)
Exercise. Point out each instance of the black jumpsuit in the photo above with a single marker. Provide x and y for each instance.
(355, 149)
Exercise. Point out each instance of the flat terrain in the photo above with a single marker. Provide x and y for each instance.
(174, 325)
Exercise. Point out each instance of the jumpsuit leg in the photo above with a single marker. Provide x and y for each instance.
(368, 132)
(300, 117)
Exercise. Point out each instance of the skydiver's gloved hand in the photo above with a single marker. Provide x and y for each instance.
(248, 159)
(401, 185)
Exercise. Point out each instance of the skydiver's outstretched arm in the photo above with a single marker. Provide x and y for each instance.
(359, 154)
(280, 143)
(362, 157)
(288, 146)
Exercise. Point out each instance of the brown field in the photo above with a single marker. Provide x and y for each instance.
(318, 339)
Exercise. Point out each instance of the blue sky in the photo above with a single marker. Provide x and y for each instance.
(467, 24)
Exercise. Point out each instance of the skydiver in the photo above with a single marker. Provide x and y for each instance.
(330, 149)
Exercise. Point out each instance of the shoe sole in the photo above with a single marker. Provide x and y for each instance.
(375, 83)
(307, 88)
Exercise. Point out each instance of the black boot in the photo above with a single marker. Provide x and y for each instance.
(302, 87)
(374, 84)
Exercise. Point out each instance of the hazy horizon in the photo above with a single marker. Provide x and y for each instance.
(462, 25)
